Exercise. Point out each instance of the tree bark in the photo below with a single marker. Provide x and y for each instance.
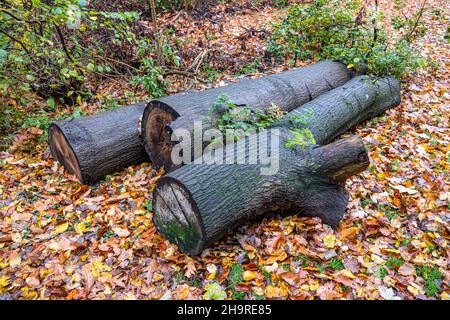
(199, 203)
(286, 90)
(94, 146)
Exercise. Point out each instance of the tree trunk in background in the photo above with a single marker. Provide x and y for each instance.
(287, 90)
(199, 203)
(94, 146)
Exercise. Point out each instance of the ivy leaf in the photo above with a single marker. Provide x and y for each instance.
(51, 103)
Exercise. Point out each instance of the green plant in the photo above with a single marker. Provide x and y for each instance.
(235, 278)
(280, 3)
(151, 78)
(347, 31)
(300, 138)
(148, 206)
(336, 264)
(266, 274)
(383, 272)
(388, 211)
(226, 115)
(394, 263)
(172, 5)
(52, 48)
(432, 277)
(251, 67)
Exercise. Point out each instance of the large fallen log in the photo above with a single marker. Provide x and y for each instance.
(287, 90)
(94, 146)
(199, 203)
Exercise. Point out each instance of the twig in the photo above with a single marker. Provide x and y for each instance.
(15, 40)
(156, 32)
(183, 73)
(63, 43)
(416, 23)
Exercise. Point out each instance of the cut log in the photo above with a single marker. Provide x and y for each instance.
(287, 90)
(199, 203)
(94, 146)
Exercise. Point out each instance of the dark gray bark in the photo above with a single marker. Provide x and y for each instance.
(199, 203)
(94, 146)
(287, 90)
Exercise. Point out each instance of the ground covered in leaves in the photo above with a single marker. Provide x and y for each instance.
(62, 240)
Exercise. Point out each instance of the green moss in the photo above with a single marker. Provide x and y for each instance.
(186, 237)
(302, 137)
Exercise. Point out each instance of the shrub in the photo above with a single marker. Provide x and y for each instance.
(50, 48)
(348, 32)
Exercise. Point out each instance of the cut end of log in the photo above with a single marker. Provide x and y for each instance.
(157, 133)
(62, 151)
(176, 216)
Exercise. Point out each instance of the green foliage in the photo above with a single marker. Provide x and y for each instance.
(148, 206)
(388, 211)
(302, 138)
(349, 32)
(51, 48)
(172, 5)
(251, 67)
(447, 34)
(432, 277)
(151, 78)
(336, 264)
(394, 263)
(226, 115)
(280, 3)
(235, 276)
(383, 272)
(266, 274)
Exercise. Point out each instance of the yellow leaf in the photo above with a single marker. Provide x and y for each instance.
(330, 241)
(4, 281)
(413, 290)
(60, 229)
(15, 261)
(273, 292)
(248, 275)
(80, 227)
(376, 259)
(347, 274)
(444, 295)
(314, 285)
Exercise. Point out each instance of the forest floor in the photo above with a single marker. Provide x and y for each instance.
(63, 240)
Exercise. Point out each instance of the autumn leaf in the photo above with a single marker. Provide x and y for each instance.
(248, 275)
(60, 228)
(330, 241)
(214, 292)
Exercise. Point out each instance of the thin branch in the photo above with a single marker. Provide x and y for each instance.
(15, 40)
(416, 23)
(156, 32)
(63, 43)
